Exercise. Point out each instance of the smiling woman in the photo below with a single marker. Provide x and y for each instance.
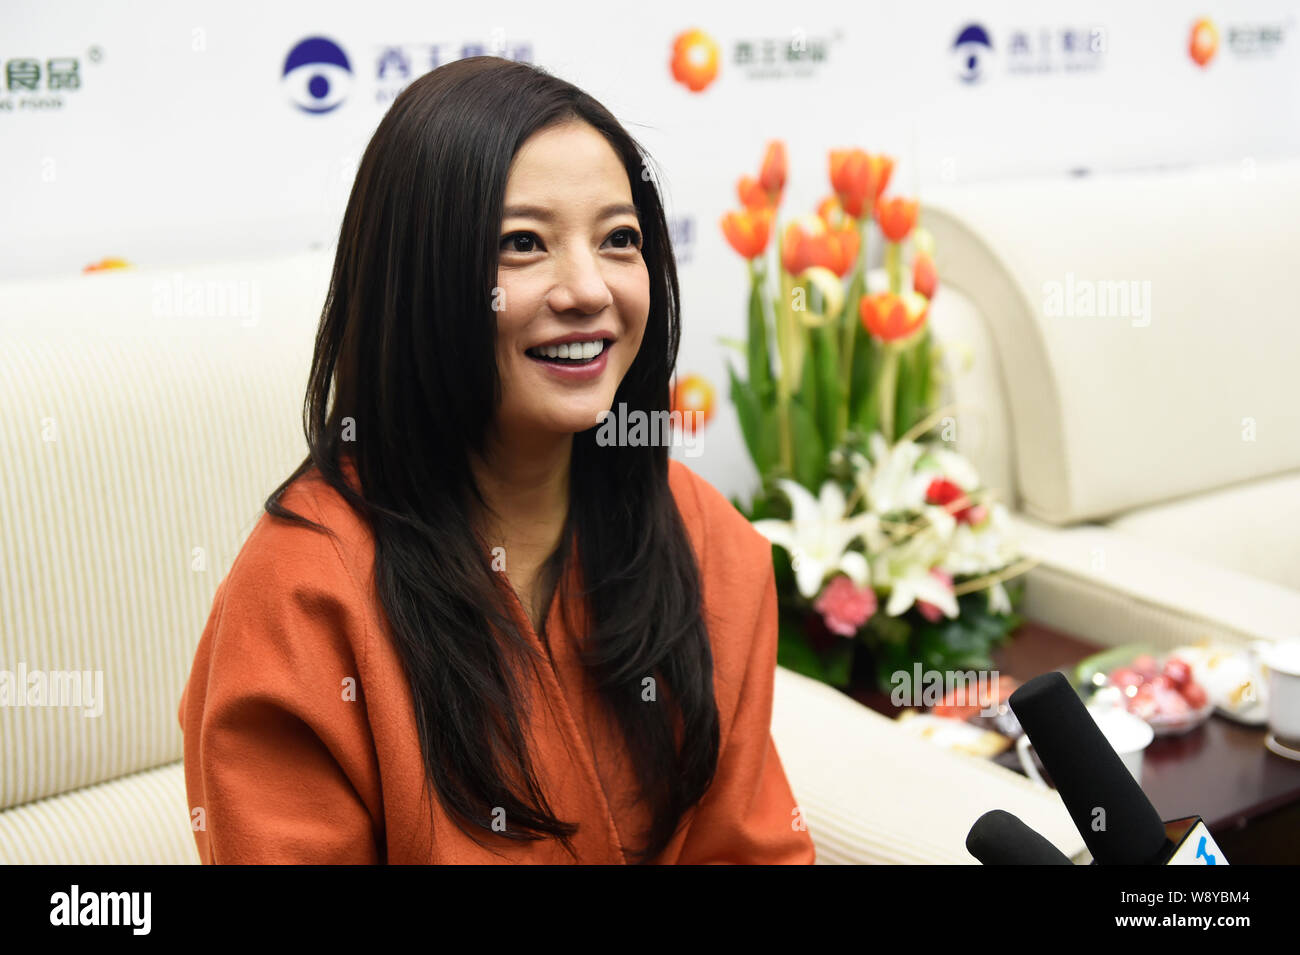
(465, 630)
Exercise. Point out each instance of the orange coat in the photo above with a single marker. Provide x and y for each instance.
(289, 767)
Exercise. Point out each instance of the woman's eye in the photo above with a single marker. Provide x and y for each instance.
(631, 238)
(515, 239)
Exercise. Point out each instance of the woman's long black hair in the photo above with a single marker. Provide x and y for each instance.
(407, 339)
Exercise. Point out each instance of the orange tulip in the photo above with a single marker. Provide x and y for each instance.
(841, 250)
(748, 231)
(774, 169)
(752, 194)
(831, 211)
(882, 167)
(891, 317)
(800, 242)
(693, 400)
(896, 216)
(852, 179)
(809, 241)
(924, 277)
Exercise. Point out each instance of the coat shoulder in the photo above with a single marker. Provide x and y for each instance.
(717, 529)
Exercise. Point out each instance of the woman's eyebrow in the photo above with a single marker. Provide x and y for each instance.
(545, 215)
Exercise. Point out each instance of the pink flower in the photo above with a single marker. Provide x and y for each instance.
(845, 606)
(928, 610)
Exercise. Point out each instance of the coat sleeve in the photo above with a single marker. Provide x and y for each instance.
(279, 760)
(749, 815)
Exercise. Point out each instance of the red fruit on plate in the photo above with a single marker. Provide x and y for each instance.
(1195, 695)
(1146, 665)
(1144, 704)
(1125, 677)
(1170, 704)
(1178, 672)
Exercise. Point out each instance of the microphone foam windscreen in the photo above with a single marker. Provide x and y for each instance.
(999, 838)
(1114, 816)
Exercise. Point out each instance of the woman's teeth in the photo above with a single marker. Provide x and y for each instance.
(578, 352)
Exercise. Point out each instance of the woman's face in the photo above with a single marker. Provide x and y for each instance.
(569, 267)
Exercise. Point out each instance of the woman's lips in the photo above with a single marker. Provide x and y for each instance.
(572, 371)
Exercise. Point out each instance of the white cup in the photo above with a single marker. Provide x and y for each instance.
(1127, 734)
(1282, 660)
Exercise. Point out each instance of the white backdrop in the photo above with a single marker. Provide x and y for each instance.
(166, 134)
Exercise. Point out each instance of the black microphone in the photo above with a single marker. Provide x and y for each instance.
(999, 838)
(1115, 818)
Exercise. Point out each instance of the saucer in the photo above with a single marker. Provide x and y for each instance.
(1271, 741)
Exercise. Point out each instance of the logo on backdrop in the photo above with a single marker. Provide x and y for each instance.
(31, 84)
(317, 75)
(1028, 51)
(696, 58)
(1246, 41)
(397, 64)
(681, 232)
(972, 49)
(1204, 42)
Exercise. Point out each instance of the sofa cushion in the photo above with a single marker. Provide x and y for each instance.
(1252, 527)
(136, 820)
(144, 422)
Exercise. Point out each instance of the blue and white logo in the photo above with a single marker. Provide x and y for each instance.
(317, 75)
(973, 49)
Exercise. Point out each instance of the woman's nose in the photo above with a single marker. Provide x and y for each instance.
(579, 285)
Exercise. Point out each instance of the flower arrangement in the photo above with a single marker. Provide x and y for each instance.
(888, 550)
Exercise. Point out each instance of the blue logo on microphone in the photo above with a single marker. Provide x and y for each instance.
(317, 75)
(1202, 854)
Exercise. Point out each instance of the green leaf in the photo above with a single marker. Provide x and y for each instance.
(757, 423)
(794, 652)
(809, 453)
(760, 369)
(830, 391)
(738, 346)
(864, 408)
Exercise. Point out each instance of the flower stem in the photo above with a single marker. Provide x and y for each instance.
(888, 387)
(850, 318)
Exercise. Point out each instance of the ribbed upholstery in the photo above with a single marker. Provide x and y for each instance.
(136, 820)
(871, 793)
(136, 449)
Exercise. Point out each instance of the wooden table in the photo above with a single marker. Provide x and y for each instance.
(1249, 797)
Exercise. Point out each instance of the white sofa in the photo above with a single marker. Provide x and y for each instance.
(1152, 456)
(143, 422)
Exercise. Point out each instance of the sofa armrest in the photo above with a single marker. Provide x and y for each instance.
(1114, 588)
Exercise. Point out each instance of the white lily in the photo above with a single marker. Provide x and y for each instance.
(892, 483)
(982, 550)
(904, 570)
(818, 536)
(999, 599)
(917, 583)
